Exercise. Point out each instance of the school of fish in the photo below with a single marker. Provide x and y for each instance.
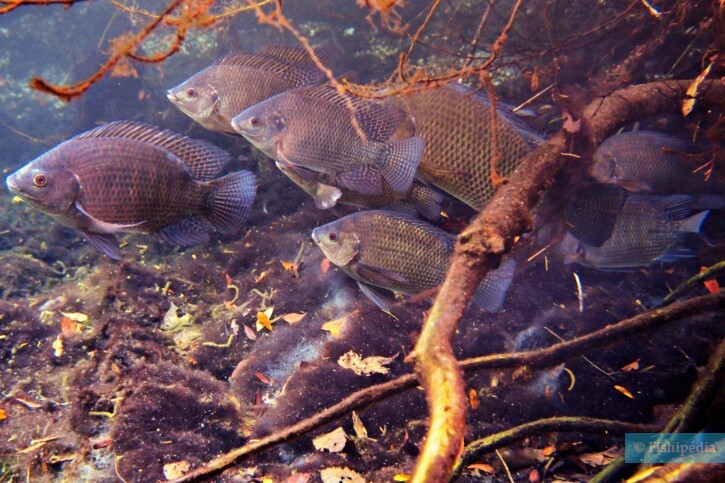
(397, 158)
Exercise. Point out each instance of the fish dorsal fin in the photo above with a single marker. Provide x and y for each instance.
(298, 55)
(298, 70)
(204, 160)
(378, 120)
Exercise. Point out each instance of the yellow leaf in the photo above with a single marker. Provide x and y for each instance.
(3, 414)
(58, 346)
(689, 102)
(289, 266)
(358, 426)
(77, 316)
(293, 318)
(334, 441)
(401, 477)
(334, 327)
(176, 470)
(624, 391)
(263, 321)
(367, 366)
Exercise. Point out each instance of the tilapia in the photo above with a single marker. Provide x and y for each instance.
(315, 128)
(420, 198)
(397, 252)
(129, 176)
(213, 96)
(648, 229)
(655, 163)
(593, 211)
(456, 124)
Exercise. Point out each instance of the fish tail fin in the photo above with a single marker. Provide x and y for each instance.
(401, 162)
(709, 201)
(230, 201)
(693, 224)
(491, 292)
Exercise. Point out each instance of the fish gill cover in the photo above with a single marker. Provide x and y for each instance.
(253, 347)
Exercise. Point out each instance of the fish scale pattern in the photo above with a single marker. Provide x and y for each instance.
(456, 125)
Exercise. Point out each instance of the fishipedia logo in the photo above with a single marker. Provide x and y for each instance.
(669, 447)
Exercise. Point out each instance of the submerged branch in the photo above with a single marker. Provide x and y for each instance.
(549, 356)
(490, 235)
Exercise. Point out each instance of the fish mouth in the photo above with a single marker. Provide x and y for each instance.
(12, 186)
(171, 96)
(315, 237)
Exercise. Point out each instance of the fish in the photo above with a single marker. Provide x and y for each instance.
(398, 252)
(313, 128)
(593, 211)
(129, 176)
(419, 199)
(656, 163)
(648, 229)
(213, 96)
(456, 124)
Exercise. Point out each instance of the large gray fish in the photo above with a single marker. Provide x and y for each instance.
(312, 127)
(647, 229)
(593, 211)
(456, 125)
(420, 198)
(654, 163)
(213, 96)
(397, 252)
(128, 176)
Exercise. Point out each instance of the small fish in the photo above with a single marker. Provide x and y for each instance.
(129, 176)
(313, 128)
(456, 124)
(648, 229)
(420, 198)
(397, 252)
(656, 163)
(213, 96)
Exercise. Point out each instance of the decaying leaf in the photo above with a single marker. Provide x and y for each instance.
(69, 326)
(599, 459)
(77, 316)
(249, 333)
(334, 327)
(334, 441)
(358, 426)
(367, 366)
(689, 101)
(58, 346)
(336, 475)
(473, 399)
(172, 322)
(324, 265)
(632, 366)
(38, 443)
(3, 414)
(624, 391)
(176, 470)
(482, 467)
(264, 319)
(401, 477)
(293, 318)
(298, 478)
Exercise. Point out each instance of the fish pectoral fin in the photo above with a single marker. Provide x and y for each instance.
(106, 227)
(379, 276)
(376, 296)
(326, 196)
(401, 162)
(105, 243)
(363, 179)
(634, 185)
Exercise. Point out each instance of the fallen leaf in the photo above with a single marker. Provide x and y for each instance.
(401, 477)
(69, 326)
(293, 318)
(336, 475)
(264, 319)
(229, 279)
(534, 476)
(689, 101)
(77, 316)
(263, 378)
(267, 479)
(473, 399)
(30, 404)
(334, 327)
(632, 366)
(249, 333)
(549, 450)
(176, 470)
(624, 391)
(325, 265)
(3, 414)
(334, 441)
(599, 459)
(367, 366)
(38, 443)
(711, 285)
(289, 266)
(358, 426)
(298, 478)
(483, 467)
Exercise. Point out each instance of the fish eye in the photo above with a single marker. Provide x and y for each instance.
(191, 92)
(254, 122)
(40, 180)
(332, 236)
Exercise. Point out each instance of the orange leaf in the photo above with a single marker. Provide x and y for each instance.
(624, 391)
(262, 378)
(549, 450)
(483, 467)
(289, 266)
(3, 414)
(711, 285)
(325, 265)
(249, 333)
(229, 279)
(264, 320)
(632, 366)
(68, 326)
(473, 399)
(293, 318)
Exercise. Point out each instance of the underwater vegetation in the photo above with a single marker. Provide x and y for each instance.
(198, 312)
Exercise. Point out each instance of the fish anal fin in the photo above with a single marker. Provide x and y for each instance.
(189, 231)
(379, 276)
(105, 243)
(376, 296)
(363, 179)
